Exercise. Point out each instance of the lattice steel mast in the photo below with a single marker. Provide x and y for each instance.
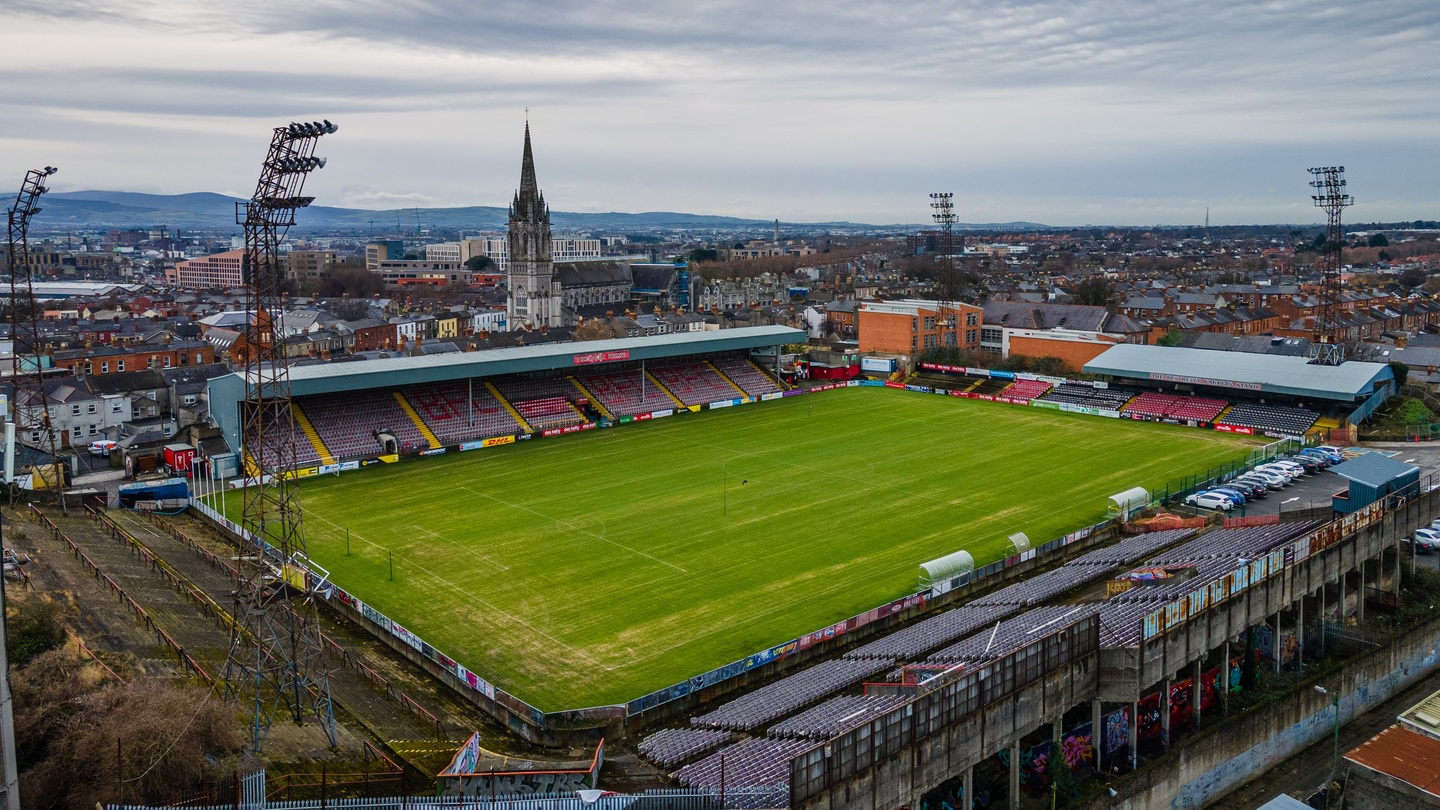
(947, 280)
(31, 405)
(1327, 339)
(275, 648)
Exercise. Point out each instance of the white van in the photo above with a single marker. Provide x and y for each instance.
(102, 447)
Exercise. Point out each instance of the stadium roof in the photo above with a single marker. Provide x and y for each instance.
(1275, 374)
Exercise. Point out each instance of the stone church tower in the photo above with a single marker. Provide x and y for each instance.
(534, 294)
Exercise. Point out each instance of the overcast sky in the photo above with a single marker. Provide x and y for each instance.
(1095, 111)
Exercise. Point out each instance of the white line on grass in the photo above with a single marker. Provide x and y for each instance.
(477, 555)
(469, 594)
(569, 525)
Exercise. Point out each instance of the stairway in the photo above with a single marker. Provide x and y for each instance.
(594, 400)
(510, 409)
(420, 425)
(727, 380)
(779, 383)
(312, 434)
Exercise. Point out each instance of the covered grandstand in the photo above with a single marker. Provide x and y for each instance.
(356, 411)
(1271, 394)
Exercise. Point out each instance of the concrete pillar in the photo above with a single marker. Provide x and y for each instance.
(1395, 581)
(1275, 643)
(1300, 634)
(1323, 619)
(1196, 691)
(1340, 609)
(1015, 775)
(1134, 735)
(1360, 595)
(967, 787)
(1165, 714)
(1225, 682)
(1096, 733)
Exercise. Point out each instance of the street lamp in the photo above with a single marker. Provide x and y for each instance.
(1335, 757)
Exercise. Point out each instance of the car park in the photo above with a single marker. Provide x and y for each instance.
(1207, 500)
(1310, 464)
(1332, 451)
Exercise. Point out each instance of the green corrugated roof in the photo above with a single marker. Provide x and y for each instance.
(326, 378)
(1373, 469)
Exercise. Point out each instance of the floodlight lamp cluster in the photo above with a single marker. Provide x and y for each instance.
(313, 128)
(301, 164)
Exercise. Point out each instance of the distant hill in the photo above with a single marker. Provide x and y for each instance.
(91, 210)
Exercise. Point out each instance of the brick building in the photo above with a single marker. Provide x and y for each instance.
(914, 327)
(218, 270)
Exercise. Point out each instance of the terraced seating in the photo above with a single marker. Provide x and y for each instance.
(1026, 389)
(550, 412)
(1200, 409)
(694, 383)
(671, 746)
(755, 762)
(1109, 399)
(775, 700)
(836, 716)
(348, 422)
(542, 400)
(1272, 418)
(626, 393)
(457, 412)
(303, 451)
(744, 374)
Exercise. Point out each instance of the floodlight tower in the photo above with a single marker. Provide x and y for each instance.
(31, 405)
(945, 288)
(275, 649)
(1327, 339)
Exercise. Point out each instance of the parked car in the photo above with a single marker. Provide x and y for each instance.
(1310, 464)
(1232, 493)
(1208, 500)
(1249, 489)
(1276, 476)
(1291, 471)
(1319, 455)
(1425, 539)
(1332, 451)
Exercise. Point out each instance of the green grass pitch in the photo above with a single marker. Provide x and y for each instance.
(594, 568)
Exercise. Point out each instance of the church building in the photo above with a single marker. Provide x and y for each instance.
(540, 293)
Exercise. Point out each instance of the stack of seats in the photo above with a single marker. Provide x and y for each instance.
(444, 408)
(1272, 418)
(694, 383)
(1026, 389)
(544, 402)
(744, 374)
(347, 422)
(623, 393)
(1200, 409)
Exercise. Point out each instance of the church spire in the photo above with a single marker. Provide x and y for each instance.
(529, 188)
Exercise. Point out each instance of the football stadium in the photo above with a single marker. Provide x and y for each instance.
(561, 567)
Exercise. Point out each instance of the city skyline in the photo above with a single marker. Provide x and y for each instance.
(1055, 112)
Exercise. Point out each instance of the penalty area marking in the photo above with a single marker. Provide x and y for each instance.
(573, 527)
